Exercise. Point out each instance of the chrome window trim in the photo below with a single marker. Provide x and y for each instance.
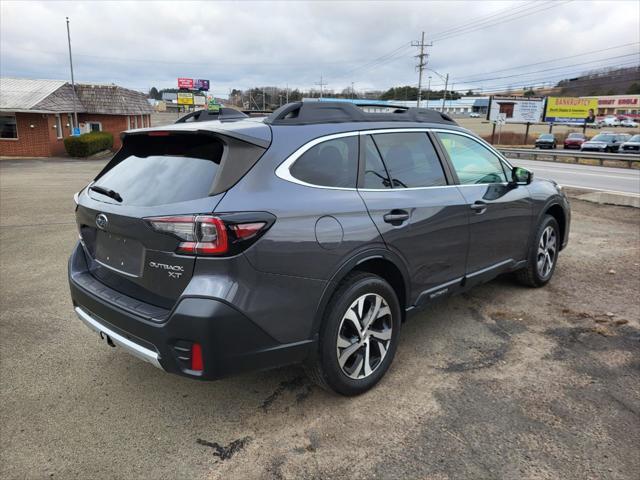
(283, 170)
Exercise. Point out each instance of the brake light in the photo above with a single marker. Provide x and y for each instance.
(247, 230)
(209, 234)
(158, 133)
(201, 234)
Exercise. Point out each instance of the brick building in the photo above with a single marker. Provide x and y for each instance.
(37, 115)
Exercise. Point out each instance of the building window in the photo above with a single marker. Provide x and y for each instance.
(8, 126)
(95, 126)
(58, 126)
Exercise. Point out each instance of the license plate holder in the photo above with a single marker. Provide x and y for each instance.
(119, 253)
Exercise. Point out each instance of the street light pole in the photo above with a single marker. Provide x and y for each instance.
(428, 91)
(73, 84)
(444, 97)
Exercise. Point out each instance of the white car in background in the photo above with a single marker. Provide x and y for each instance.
(628, 122)
(609, 121)
(474, 115)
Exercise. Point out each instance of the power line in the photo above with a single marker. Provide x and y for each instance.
(503, 20)
(481, 19)
(459, 79)
(547, 69)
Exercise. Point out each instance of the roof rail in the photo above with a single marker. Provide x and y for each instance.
(306, 113)
(204, 115)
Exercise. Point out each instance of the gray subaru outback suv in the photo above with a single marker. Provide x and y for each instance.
(211, 248)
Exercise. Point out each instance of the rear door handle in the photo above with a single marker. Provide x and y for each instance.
(479, 207)
(396, 217)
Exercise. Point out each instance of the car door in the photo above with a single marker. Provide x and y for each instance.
(418, 213)
(500, 212)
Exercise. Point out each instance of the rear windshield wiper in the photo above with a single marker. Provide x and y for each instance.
(105, 191)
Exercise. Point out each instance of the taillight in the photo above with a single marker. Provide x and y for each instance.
(212, 235)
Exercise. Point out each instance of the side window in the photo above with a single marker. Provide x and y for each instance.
(375, 174)
(472, 161)
(333, 163)
(410, 159)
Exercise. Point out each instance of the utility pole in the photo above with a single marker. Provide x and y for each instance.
(428, 91)
(287, 93)
(321, 85)
(421, 64)
(73, 83)
(263, 105)
(444, 97)
(352, 92)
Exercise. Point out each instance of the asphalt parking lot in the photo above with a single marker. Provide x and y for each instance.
(503, 382)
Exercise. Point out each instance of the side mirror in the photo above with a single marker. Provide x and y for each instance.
(521, 175)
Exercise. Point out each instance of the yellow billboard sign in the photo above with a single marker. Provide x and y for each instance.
(185, 98)
(571, 109)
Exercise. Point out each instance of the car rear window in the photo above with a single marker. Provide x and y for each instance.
(163, 170)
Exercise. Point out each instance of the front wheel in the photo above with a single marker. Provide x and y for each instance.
(359, 335)
(543, 254)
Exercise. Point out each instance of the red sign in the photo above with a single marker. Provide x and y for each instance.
(185, 83)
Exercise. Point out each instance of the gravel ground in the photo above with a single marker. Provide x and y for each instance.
(502, 382)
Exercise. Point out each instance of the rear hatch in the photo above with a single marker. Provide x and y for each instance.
(169, 173)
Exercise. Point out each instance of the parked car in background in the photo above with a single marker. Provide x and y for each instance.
(609, 121)
(474, 115)
(574, 140)
(605, 142)
(211, 248)
(546, 140)
(631, 146)
(628, 122)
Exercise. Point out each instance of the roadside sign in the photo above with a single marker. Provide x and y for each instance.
(501, 118)
(185, 83)
(185, 98)
(202, 85)
(516, 109)
(76, 132)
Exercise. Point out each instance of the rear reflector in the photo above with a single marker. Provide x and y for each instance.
(196, 358)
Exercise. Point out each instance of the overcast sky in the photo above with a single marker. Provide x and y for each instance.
(244, 44)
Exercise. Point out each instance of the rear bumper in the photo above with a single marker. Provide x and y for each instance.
(116, 339)
(231, 343)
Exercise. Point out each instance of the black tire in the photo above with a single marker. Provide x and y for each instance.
(324, 369)
(531, 275)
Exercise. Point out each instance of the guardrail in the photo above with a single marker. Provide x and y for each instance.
(625, 160)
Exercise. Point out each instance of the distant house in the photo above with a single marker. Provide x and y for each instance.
(37, 115)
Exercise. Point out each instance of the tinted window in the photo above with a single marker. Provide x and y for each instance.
(162, 170)
(410, 159)
(473, 162)
(603, 137)
(375, 175)
(333, 163)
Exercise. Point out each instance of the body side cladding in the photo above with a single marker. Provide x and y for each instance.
(351, 264)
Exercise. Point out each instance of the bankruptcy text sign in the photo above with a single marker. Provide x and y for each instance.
(571, 109)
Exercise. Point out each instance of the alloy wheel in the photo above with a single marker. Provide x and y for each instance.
(547, 248)
(364, 336)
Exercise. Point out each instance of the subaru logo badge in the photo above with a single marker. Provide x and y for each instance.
(102, 221)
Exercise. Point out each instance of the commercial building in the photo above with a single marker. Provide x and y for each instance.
(37, 115)
(628, 105)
